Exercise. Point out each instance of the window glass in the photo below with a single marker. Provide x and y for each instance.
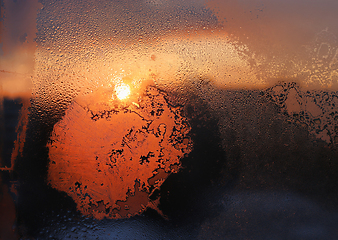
(153, 119)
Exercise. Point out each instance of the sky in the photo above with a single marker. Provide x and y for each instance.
(292, 32)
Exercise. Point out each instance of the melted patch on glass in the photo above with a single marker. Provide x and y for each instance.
(111, 155)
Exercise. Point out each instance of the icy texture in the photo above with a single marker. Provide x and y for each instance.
(86, 45)
(110, 157)
(315, 110)
(181, 48)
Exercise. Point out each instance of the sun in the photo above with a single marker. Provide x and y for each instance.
(122, 91)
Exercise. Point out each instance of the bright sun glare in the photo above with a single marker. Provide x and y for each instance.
(122, 91)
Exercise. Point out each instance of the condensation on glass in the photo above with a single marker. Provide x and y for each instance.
(106, 85)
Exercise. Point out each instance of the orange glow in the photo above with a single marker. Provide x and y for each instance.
(122, 91)
(110, 158)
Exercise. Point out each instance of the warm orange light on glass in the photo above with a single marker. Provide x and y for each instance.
(122, 91)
